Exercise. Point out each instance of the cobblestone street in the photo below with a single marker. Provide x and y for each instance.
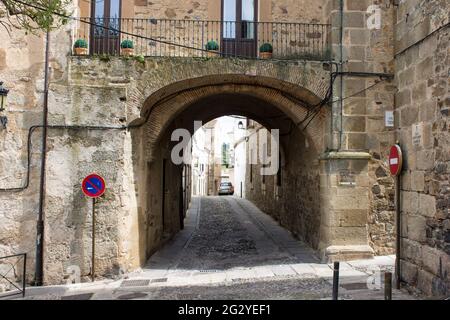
(231, 250)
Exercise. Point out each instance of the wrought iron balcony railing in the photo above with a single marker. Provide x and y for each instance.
(13, 271)
(190, 38)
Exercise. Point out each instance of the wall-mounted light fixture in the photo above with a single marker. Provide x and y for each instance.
(3, 95)
(241, 125)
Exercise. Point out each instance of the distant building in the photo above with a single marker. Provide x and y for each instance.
(200, 163)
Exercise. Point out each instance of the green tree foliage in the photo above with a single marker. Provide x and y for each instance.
(34, 15)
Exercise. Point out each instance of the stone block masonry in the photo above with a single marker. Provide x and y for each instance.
(422, 102)
(359, 121)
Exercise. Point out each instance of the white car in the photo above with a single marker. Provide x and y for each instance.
(226, 188)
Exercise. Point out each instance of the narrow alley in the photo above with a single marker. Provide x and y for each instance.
(229, 249)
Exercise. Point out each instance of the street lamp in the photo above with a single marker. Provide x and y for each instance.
(3, 95)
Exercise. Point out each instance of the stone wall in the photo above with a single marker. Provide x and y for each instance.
(366, 99)
(172, 9)
(306, 11)
(22, 71)
(422, 113)
(294, 200)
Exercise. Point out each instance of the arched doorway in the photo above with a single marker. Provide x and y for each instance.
(275, 105)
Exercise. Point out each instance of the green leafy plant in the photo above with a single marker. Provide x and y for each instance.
(212, 46)
(140, 59)
(80, 43)
(266, 47)
(34, 15)
(104, 58)
(127, 44)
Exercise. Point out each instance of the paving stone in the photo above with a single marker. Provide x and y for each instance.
(322, 270)
(263, 272)
(283, 270)
(304, 270)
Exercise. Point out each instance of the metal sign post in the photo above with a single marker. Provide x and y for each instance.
(93, 241)
(395, 166)
(93, 186)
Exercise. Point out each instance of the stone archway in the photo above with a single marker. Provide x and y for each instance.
(272, 102)
(167, 103)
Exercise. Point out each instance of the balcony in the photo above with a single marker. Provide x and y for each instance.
(189, 38)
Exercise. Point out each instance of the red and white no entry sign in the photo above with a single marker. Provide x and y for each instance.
(395, 160)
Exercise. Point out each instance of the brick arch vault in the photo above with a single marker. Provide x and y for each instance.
(276, 104)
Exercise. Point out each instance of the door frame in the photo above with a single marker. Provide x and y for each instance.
(105, 42)
(238, 29)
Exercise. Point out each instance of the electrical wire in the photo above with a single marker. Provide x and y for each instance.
(312, 114)
(359, 92)
(29, 147)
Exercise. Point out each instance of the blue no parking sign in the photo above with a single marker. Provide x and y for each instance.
(93, 186)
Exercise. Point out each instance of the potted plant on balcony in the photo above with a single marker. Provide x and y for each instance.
(265, 51)
(213, 48)
(80, 47)
(127, 47)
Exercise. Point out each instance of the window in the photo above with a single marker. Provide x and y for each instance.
(105, 35)
(241, 13)
(248, 18)
(229, 18)
(114, 16)
(107, 13)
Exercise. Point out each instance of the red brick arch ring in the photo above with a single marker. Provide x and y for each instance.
(166, 104)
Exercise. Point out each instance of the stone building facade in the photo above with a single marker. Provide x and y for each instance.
(336, 191)
(422, 56)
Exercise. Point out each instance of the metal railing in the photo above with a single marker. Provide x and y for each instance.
(12, 276)
(189, 38)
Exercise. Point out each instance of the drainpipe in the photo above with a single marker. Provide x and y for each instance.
(398, 207)
(341, 63)
(38, 280)
(398, 204)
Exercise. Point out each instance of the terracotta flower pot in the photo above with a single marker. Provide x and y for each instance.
(127, 52)
(80, 51)
(265, 55)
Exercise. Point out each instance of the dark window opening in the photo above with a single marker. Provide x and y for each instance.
(279, 173)
(264, 162)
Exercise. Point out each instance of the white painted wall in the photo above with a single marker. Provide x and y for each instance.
(200, 152)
